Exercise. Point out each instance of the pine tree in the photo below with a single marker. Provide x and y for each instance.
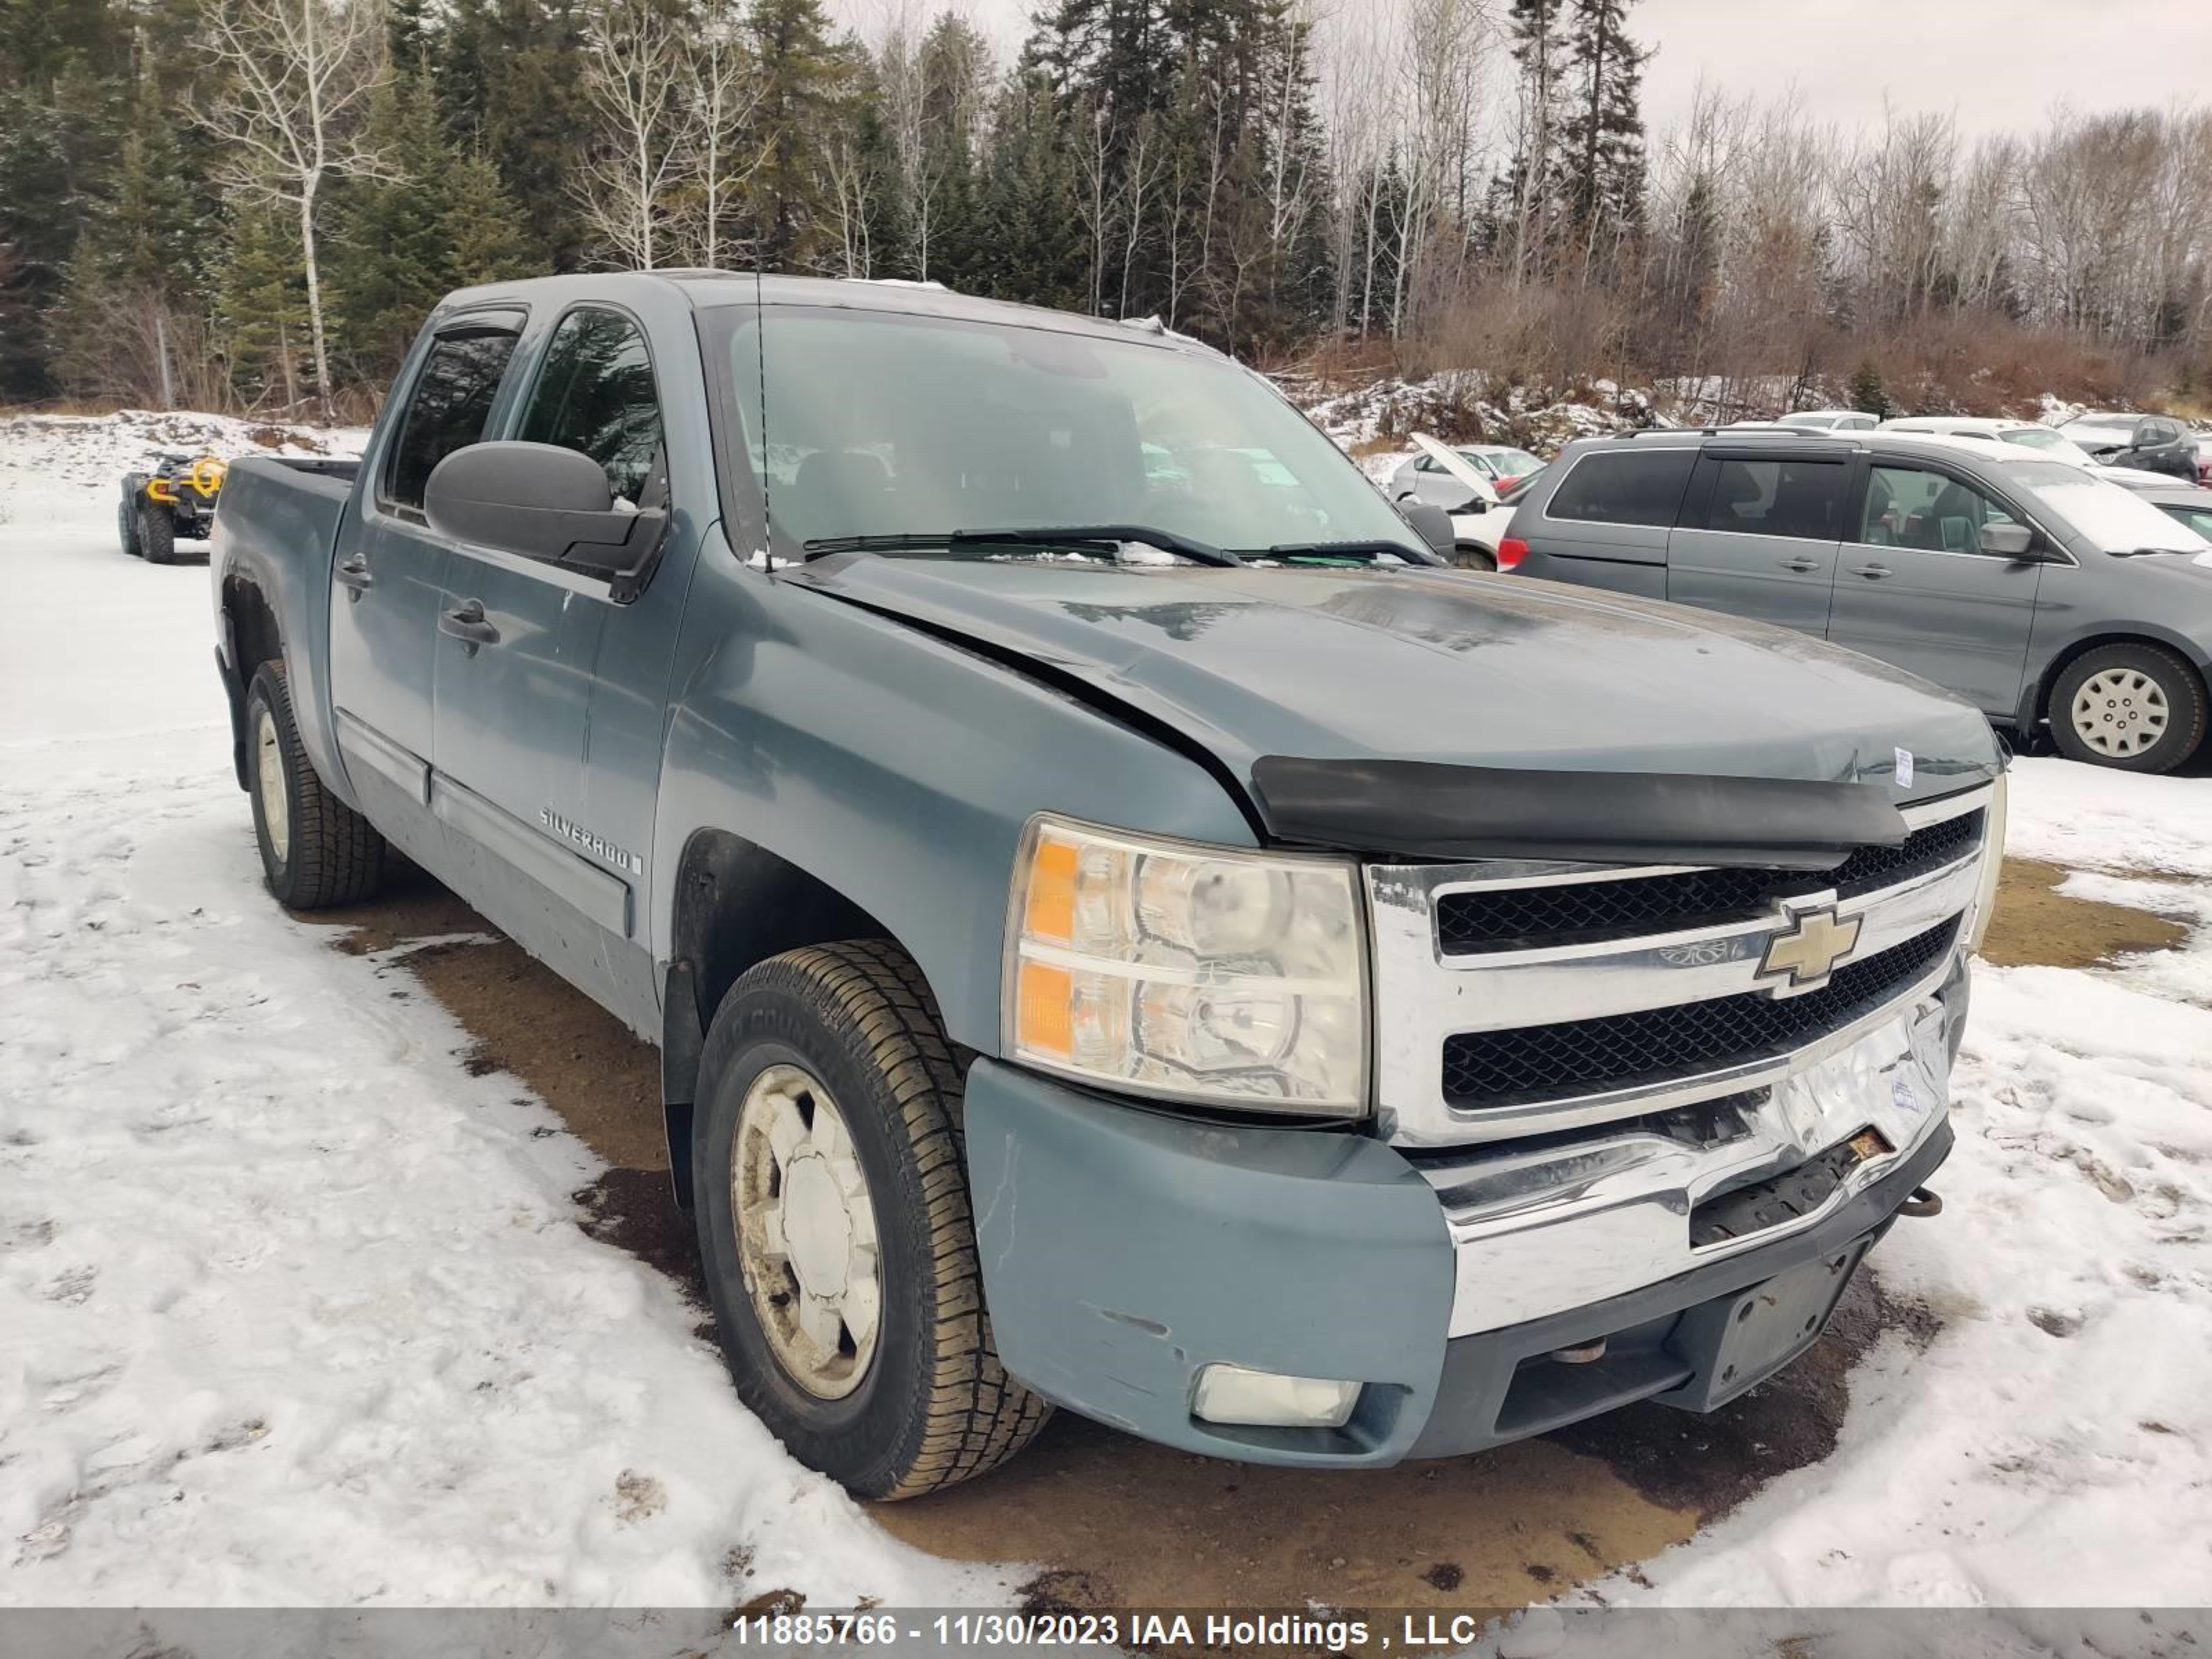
(1867, 394)
(443, 220)
(801, 75)
(1601, 136)
(1531, 182)
(511, 89)
(262, 309)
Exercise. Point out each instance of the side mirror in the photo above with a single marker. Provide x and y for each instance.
(1472, 505)
(542, 502)
(1431, 523)
(2006, 541)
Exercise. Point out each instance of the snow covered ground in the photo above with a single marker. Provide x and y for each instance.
(293, 1311)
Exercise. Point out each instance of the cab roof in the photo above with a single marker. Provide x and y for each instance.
(703, 290)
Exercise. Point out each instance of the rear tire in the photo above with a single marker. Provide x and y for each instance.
(2137, 707)
(1470, 555)
(316, 851)
(126, 528)
(834, 1228)
(157, 534)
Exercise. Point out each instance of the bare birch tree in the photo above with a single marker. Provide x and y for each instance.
(727, 92)
(640, 78)
(296, 78)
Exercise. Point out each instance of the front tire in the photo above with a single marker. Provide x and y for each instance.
(316, 851)
(834, 1228)
(126, 527)
(2137, 707)
(157, 534)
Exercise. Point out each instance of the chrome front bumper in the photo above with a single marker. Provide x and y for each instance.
(1560, 1199)
(1546, 1229)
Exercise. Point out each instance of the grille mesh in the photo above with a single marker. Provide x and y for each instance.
(1536, 1063)
(1520, 918)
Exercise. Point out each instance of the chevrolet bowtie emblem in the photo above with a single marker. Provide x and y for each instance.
(1810, 947)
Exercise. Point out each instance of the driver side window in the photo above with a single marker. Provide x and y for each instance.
(1930, 512)
(595, 395)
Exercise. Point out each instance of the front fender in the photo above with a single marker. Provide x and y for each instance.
(895, 768)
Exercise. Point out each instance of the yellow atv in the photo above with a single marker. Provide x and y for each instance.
(176, 499)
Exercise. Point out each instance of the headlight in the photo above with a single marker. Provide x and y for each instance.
(1196, 973)
(1993, 836)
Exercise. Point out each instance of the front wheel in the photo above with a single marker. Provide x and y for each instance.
(316, 851)
(2139, 708)
(834, 1228)
(126, 527)
(157, 533)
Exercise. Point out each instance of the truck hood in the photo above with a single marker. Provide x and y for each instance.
(1443, 714)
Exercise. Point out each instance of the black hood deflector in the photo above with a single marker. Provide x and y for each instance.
(1422, 810)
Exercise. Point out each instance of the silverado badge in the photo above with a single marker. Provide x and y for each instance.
(1810, 947)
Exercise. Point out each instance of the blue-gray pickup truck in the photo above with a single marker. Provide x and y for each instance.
(1122, 929)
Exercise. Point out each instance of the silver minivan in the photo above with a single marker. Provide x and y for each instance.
(2039, 591)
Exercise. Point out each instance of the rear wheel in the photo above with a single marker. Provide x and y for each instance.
(834, 1228)
(126, 527)
(157, 533)
(316, 851)
(2139, 708)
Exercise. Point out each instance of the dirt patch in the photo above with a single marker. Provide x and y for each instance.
(1708, 1464)
(2036, 925)
(1127, 1523)
(526, 1019)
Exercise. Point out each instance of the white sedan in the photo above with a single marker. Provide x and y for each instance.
(1467, 480)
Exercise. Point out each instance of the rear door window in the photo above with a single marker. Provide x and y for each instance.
(451, 403)
(1785, 496)
(595, 395)
(1626, 486)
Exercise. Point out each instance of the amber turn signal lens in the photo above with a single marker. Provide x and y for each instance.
(1044, 1008)
(1050, 914)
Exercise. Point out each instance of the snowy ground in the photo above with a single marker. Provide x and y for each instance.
(293, 1311)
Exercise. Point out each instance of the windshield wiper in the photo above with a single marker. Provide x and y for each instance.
(1370, 552)
(2139, 552)
(1083, 535)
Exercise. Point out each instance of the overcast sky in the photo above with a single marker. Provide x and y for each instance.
(1996, 65)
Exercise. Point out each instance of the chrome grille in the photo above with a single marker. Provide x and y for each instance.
(1519, 997)
(1486, 1070)
(1481, 920)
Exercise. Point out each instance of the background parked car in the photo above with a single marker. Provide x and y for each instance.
(1424, 475)
(2036, 590)
(1829, 420)
(2157, 443)
(2205, 457)
(2047, 440)
(1475, 483)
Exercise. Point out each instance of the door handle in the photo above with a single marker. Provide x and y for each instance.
(466, 624)
(1874, 573)
(354, 574)
(1801, 565)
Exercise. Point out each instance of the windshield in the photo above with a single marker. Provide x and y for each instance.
(884, 423)
(2045, 441)
(2118, 521)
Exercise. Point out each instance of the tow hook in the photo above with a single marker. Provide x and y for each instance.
(1586, 1353)
(1922, 1203)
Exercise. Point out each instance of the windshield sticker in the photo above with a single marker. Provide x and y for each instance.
(1904, 769)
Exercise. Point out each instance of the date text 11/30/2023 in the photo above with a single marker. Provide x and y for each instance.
(1248, 1631)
